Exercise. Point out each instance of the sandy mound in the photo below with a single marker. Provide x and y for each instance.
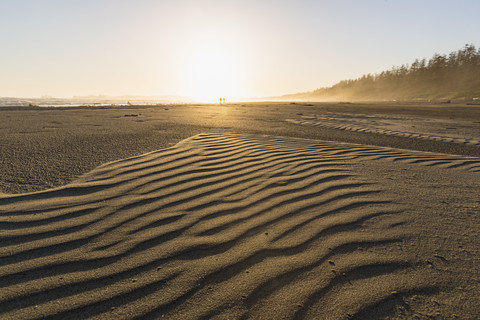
(226, 226)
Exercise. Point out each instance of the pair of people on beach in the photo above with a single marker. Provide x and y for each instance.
(222, 100)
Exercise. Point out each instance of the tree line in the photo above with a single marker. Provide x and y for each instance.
(452, 76)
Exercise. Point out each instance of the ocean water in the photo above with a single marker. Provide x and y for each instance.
(78, 102)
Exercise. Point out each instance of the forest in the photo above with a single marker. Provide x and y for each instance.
(452, 76)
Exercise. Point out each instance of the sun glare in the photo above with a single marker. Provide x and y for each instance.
(211, 73)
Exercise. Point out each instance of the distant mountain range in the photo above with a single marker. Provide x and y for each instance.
(131, 97)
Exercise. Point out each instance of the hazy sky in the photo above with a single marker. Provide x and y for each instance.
(212, 48)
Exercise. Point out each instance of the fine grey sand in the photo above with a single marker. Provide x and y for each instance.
(278, 211)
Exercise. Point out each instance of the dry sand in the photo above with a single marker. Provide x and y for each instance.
(258, 211)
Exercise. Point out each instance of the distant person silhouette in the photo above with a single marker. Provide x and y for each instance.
(223, 100)
(220, 100)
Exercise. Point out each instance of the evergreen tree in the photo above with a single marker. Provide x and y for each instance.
(442, 77)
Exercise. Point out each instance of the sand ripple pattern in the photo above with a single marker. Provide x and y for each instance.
(362, 152)
(224, 226)
(375, 124)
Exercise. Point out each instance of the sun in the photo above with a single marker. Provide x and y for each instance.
(211, 72)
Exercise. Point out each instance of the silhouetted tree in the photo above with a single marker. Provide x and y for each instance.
(454, 76)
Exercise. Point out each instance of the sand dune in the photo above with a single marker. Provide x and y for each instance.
(218, 226)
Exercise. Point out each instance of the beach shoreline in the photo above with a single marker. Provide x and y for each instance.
(231, 211)
(48, 147)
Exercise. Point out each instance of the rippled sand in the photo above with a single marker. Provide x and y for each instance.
(241, 225)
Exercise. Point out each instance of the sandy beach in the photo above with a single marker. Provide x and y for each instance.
(240, 211)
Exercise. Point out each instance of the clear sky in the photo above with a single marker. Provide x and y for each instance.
(208, 48)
